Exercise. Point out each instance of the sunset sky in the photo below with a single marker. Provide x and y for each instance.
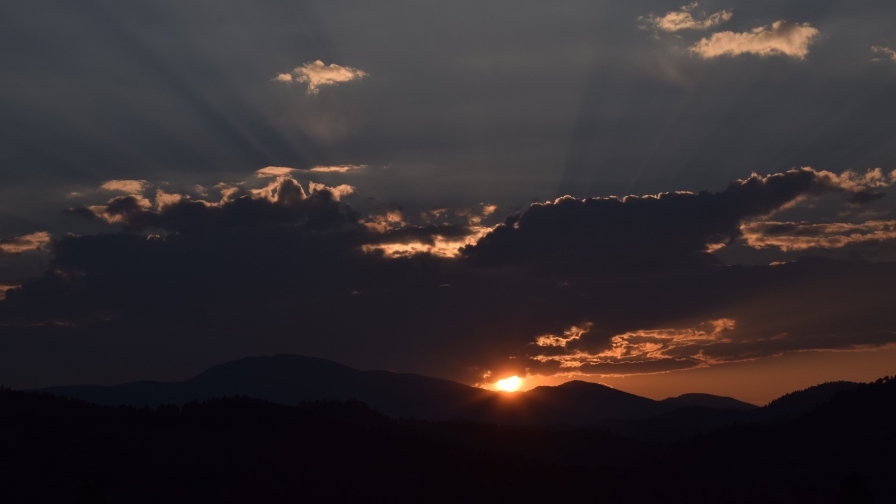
(658, 196)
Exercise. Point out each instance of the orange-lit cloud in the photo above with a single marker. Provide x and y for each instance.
(437, 245)
(274, 171)
(19, 244)
(790, 236)
(476, 215)
(781, 38)
(316, 74)
(635, 347)
(683, 19)
(279, 171)
(571, 334)
(380, 222)
(125, 186)
(854, 181)
(338, 168)
(164, 199)
(338, 192)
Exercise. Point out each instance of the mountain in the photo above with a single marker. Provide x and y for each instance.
(291, 379)
(702, 413)
(708, 401)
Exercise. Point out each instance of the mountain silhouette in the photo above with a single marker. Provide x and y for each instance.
(709, 401)
(291, 379)
(701, 413)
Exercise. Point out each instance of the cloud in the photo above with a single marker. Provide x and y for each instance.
(279, 171)
(164, 199)
(338, 192)
(446, 241)
(886, 51)
(798, 236)
(125, 186)
(274, 171)
(34, 241)
(337, 168)
(857, 182)
(682, 19)
(782, 38)
(665, 231)
(316, 74)
(675, 348)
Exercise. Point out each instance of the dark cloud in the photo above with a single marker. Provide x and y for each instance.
(663, 231)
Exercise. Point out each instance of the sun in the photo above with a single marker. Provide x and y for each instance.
(511, 384)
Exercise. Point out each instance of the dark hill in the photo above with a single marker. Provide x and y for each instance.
(709, 401)
(702, 413)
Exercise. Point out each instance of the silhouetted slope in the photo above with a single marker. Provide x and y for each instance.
(854, 431)
(708, 401)
(805, 400)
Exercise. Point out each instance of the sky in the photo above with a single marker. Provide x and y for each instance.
(658, 196)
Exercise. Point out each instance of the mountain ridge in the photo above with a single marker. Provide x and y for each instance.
(292, 379)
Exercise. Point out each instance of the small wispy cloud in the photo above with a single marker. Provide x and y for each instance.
(338, 168)
(125, 186)
(781, 38)
(274, 171)
(280, 171)
(19, 244)
(796, 236)
(886, 51)
(316, 74)
(683, 19)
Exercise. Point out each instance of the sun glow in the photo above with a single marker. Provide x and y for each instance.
(511, 384)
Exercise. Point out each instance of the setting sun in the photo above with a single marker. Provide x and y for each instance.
(511, 384)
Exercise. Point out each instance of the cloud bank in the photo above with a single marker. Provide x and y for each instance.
(600, 286)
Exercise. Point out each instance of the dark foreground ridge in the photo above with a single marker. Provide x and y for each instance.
(239, 449)
(291, 379)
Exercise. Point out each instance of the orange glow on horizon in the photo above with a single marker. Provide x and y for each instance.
(511, 384)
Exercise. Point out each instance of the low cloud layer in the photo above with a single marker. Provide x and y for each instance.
(609, 286)
(782, 38)
(684, 19)
(799, 236)
(317, 74)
